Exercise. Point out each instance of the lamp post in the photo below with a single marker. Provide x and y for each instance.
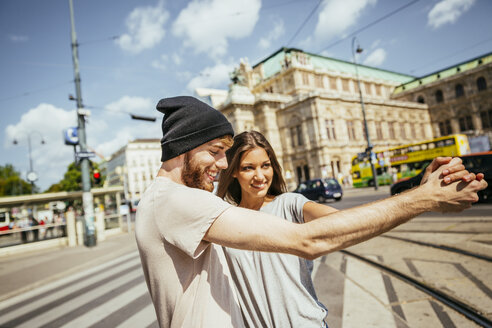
(366, 130)
(31, 175)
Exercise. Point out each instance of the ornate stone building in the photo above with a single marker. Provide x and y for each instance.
(459, 97)
(308, 106)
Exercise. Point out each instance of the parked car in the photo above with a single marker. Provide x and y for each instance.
(475, 163)
(321, 189)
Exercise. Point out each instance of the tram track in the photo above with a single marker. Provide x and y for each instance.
(442, 247)
(471, 313)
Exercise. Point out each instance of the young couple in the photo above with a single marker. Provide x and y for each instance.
(205, 259)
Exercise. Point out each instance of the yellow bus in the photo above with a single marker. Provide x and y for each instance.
(406, 161)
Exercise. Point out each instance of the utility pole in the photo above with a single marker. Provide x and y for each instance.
(369, 151)
(87, 199)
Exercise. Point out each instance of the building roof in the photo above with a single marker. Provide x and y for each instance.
(446, 72)
(273, 64)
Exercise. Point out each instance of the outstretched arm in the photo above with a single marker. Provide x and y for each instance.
(252, 230)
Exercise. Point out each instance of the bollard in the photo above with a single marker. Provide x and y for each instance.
(71, 230)
(100, 225)
(80, 232)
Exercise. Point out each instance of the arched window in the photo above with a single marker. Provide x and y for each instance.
(459, 91)
(439, 97)
(481, 83)
(421, 100)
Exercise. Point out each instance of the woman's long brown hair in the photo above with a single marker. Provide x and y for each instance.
(229, 188)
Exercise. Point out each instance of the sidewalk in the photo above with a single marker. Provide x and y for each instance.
(22, 272)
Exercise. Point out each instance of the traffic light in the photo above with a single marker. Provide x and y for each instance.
(97, 177)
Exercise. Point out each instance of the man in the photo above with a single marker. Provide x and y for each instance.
(180, 223)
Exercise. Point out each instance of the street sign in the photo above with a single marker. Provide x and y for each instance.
(71, 136)
(84, 154)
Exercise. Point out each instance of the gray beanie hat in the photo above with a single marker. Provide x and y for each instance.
(189, 123)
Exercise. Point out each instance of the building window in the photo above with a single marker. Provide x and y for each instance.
(459, 91)
(403, 134)
(299, 174)
(351, 130)
(330, 129)
(333, 83)
(306, 172)
(421, 100)
(379, 131)
(439, 96)
(305, 78)
(296, 136)
(422, 131)
(465, 123)
(345, 85)
(367, 86)
(293, 136)
(300, 140)
(414, 131)
(486, 117)
(356, 87)
(378, 89)
(445, 128)
(391, 126)
(318, 80)
(481, 84)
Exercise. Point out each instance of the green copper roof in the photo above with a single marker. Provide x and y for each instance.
(446, 72)
(273, 64)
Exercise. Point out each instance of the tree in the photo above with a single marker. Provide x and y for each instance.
(11, 184)
(72, 179)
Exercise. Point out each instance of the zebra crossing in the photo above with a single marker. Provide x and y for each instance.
(113, 294)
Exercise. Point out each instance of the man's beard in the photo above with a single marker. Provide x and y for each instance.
(193, 175)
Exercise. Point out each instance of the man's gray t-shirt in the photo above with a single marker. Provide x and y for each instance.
(276, 290)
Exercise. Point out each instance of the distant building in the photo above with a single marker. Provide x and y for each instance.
(138, 164)
(308, 107)
(459, 98)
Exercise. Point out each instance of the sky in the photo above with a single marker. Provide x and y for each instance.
(133, 53)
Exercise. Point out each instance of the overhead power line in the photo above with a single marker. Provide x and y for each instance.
(304, 23)
(370, 24)
(27, 93)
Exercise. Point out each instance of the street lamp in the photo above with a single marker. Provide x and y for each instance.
(369, 145)
(31, 175)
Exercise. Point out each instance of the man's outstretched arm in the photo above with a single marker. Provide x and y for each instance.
(252, 230)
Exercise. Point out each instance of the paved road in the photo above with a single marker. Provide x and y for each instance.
(112, 294)
(104, 286)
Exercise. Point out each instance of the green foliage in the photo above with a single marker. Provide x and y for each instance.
(11, 184)
(72, 179)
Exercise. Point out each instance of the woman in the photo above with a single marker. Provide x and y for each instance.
(275, 290)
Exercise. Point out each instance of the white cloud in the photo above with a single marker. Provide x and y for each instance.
(447, 11)
(135, 105)
(177, 59)
(212, 77)
(45, 122)
(160, 63)
(18, 38)
(277, 31)
(375, 58)
(145, 28)
(206, 26)
(106, 132)
(337, 16)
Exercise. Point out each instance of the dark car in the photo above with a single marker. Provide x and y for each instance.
(321, 189)
(475, 163)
